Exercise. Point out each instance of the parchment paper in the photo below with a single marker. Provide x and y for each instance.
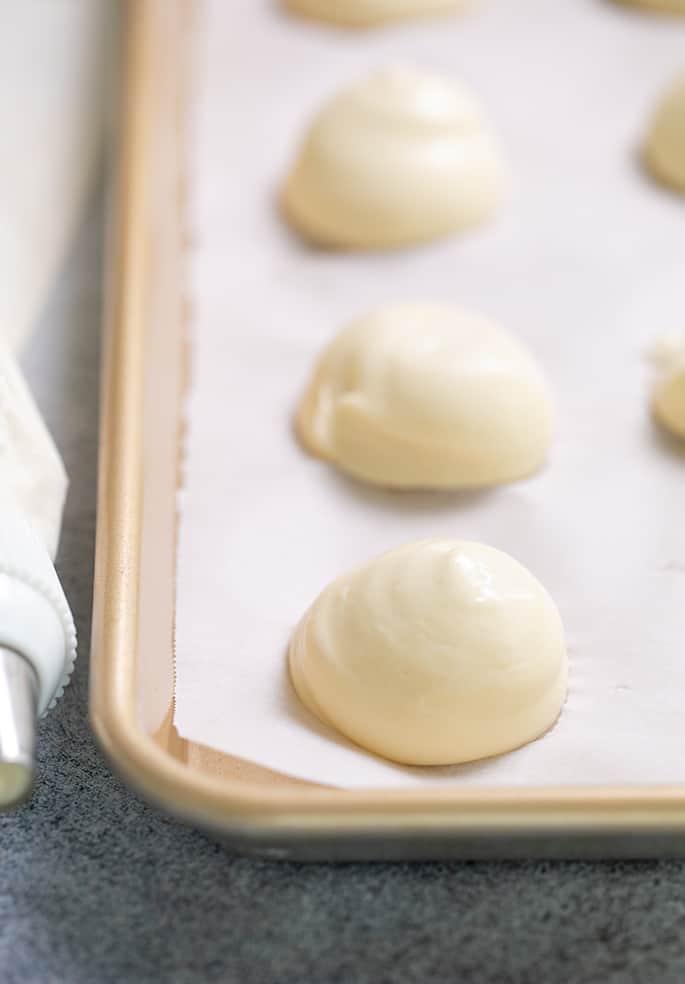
(585, 262)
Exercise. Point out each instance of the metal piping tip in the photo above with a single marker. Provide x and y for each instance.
(18, 714)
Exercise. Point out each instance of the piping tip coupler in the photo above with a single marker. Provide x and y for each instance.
(18, 711)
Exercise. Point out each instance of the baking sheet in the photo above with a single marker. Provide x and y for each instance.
(586, 263)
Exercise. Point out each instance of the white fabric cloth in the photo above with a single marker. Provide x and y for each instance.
(53, 74)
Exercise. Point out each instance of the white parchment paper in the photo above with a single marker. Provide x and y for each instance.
(586, 263)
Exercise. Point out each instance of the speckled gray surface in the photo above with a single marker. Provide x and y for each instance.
(96, 887)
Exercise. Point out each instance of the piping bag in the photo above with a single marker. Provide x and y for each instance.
(37, 635)
(54, 56)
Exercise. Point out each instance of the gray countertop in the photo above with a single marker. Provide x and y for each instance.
(95, 886)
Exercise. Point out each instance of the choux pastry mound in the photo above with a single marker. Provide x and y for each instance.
(399, 158)
(657, 6)
(668, 398)
(427, 396)
(664, 148)
(436, 653)
(369, 13)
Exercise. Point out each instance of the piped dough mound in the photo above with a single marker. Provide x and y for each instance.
(668, 399)
(369, 13)
(401, 157)
(436, 653)
(427, 396)
(664, 149)
(656, 6)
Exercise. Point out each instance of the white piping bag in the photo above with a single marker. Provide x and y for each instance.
(37, 634)
(54, 58)
(31, 471)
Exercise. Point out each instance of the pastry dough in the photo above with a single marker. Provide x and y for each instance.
(33, 475)
(367, 13)
(669, 391)
(401, 157)
(664, 150)
(426, 396)
(658, 6)
(435, 653)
